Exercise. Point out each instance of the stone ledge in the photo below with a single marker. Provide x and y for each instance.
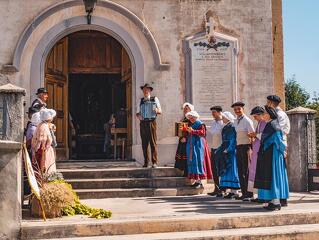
(301, 110)
(10, 145)
(10, 88)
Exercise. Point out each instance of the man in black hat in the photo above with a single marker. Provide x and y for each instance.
(41, 101)
(216, 132)
(244, 125)
(147, 112)
(282, 120)
(283, 123)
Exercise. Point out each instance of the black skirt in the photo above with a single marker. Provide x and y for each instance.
(181, 158)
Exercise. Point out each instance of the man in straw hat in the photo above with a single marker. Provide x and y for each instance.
(147, 112)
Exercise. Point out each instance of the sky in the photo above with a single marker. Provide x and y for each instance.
(301, 42)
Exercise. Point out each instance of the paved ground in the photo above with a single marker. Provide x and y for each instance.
(202, 205)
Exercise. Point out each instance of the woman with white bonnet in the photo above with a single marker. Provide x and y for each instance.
(32, 126)
(180, 156)
(226, 157)
(198, 157)
(42, 149)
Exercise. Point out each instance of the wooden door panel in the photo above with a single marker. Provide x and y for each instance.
(127, 77)
(56, 76)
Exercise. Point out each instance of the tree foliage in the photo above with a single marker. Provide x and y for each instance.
(295, 95)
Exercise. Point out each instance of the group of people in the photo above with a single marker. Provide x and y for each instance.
(241, 157)
(40, 135)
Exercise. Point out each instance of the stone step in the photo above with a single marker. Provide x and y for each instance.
(141, 192)
(120, 173)
(296, 232)
(71, 164)
(158, 182)
(74, 227)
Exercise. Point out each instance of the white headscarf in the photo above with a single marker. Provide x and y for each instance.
(229, 116)
(35, 119)
(191, 106)
(193, 114)
(47, 114)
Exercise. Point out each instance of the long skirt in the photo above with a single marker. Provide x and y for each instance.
(279, 183)
(252, 166)
(45, 160)
(230, 179)
(181, 157)
(199, 165)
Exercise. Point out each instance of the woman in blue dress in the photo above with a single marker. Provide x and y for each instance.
(226, 156)
(271, 173)
(198, 156)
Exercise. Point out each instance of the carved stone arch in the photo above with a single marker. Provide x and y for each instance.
(103, 4)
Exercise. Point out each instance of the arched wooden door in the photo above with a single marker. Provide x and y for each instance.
(56, 82)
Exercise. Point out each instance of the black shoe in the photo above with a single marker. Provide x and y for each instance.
(229, 196)
(273, 207)
(283, 202)
(197, 185)
(219, 195)
(145, 165)
(237, 197)
(215, 193)
(247, 199)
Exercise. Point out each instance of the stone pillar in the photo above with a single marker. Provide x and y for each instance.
(11, 137)
(301, 147)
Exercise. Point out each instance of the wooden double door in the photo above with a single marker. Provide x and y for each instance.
(85, 52)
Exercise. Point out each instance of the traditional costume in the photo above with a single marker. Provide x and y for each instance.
(42, 150)
(282, 121)
(146, 112)
(216, 132)
(255, 148)
(226, 156)
(243, 125)
(38, 103)
(271, 174)
(198, 159)
(180, 156)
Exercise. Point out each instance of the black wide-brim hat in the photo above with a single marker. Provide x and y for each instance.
(147, 86)
(274, 98)
(257, 110)
(216, 108)
(41, 90)
(238, 104)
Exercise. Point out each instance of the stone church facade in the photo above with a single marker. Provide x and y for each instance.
(158, 37)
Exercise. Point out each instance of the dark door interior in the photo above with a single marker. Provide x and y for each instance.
(93, 98)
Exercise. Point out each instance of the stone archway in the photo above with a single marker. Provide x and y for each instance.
(68, 17)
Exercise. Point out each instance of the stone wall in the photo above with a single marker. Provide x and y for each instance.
(11, 161)
(170, 21)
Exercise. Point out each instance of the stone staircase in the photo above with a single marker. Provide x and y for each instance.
(155, 204)
(299, 226)
(123, 179)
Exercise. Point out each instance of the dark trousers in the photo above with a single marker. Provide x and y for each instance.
(214, 168)
(149, 137)
(242, 156)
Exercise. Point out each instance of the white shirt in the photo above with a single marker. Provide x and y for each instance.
(157, 102)
(243, 126)
(283, 121)
(216, 131)
(216, 127)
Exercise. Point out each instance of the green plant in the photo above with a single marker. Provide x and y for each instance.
(78, 208)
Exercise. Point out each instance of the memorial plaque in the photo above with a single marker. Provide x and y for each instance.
(212, 77)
